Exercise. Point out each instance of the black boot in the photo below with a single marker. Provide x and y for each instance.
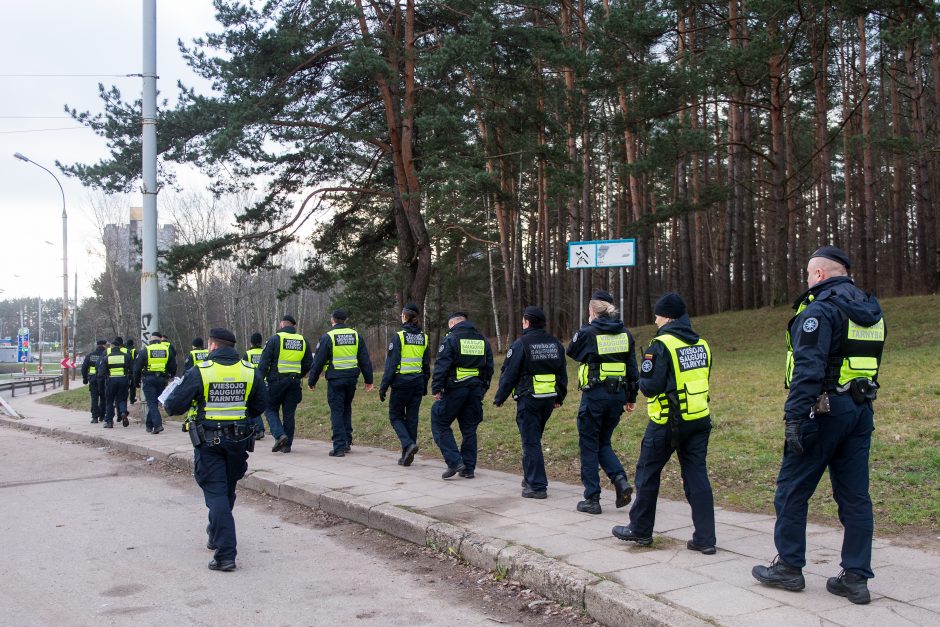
(590, 505)
(624, 490)
(627, 534)
(780, 575)
(851, 586)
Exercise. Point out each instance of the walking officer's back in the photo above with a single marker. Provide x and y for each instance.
(463, 370)
(834, 344)
(607, 378)
(535, 374)
(285, 360)
(90, 378)
(116, 364)
(154, 367)
(341, 356)
(226, 392)
(674, 377)
(407, 372)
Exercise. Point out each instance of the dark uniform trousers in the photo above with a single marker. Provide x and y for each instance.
(843, 444)
(598, 416)
(152, 386)
(404, 402)
(97, 398)
(465, 404)
(283, 396)
(657, 448)
(218, 467)
(531, 415)
(115, 397)
(339, 396)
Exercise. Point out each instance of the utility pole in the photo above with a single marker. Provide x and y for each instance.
(149, 304)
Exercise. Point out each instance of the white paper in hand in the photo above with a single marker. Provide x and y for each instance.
(169, 389)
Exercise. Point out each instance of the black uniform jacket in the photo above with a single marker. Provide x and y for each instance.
(272, 350)
(391, 378)
(656, 373)
(448, 356)
(583, 348)
(536, 352)
(325, 353)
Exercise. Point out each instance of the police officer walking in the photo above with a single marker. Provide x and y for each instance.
(285, 360)
(834, 347)
(227, 392)
(132, 385)
(89, 378)
(341, 355)
(116, 364)
(154, 367)
(197, 354)
(462, 374)
(607, 378)
(536, 376)
(407, 372)
(253, 357)
(674, 377)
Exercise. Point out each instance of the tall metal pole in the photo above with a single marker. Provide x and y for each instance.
(149, 305)
(65, 271)
(75, 330)
(581, 299)
(40, 335)
(622, 317)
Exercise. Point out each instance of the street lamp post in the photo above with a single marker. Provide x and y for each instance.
(65, 268)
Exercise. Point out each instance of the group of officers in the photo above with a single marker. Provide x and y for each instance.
(834, 346)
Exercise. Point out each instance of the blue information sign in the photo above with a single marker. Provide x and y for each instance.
(22, 345)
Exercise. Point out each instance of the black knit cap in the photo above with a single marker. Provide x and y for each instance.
(458, 314)
(534, 315)
(670, 305)
(129, 342)
(339, 315)
(411, 307)
(156, 334)
(833, 254)
(603, 295)
(198, 343)
(118, 341)
(256, 339)
(220, 333)
(288, 318)
(101, 342)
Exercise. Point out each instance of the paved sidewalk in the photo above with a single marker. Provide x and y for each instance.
(549, 546)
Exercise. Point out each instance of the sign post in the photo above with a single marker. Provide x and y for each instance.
(614, 253)
(22, 347)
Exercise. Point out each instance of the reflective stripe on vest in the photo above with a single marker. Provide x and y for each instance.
(254, 356)
(862, 347)
(345, 343)
(92, 365)
(691, 365)
(607, 344)
(157, 357)
(198, 355)
(412, 355)
(226, 389)
(116, 360)
(291, 353)
(469, 347)
(788, 375)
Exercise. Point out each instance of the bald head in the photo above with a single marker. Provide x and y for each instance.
(820, 268)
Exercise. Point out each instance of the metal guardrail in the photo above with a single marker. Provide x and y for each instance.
(31, 381)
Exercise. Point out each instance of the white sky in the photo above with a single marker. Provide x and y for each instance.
(97, 37)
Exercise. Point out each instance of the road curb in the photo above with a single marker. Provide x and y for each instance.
(603, 600)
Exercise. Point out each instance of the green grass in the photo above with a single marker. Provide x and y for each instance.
(747, 405)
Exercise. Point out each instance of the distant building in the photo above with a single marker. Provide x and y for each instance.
(122, 242)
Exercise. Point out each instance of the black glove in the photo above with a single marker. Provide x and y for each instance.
(497, 403)
(800, 435)
(84, 381)
(382, 396)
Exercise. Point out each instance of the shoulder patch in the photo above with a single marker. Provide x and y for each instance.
(647, 365)
(509, 353)
(391, 346)
(574, 338)
(441, 347)
(810, 325)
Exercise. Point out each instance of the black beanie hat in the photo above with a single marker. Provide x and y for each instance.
(670, 305)
(603, 295)
(534, 315)
(221, 333)
(197, 342)
(256, 339)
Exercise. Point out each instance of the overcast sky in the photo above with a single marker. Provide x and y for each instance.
(101, 38)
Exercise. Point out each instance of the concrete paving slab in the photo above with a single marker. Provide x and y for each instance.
(607, 561)
(882, 612)
(897, 583)
(814, 598)
(910, 558)
(719, 600)
(736, 518)
(781, 616)
(658, 578)
(560, 545)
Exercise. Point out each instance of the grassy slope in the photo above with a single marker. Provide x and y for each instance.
(747, 402)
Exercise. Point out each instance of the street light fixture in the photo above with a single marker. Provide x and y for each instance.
(65, 267)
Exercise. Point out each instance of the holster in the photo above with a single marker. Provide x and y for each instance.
(675, 419)
(614, 384)
(197, 434)
(863, 390)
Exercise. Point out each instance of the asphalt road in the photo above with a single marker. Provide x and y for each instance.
(90, 537)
